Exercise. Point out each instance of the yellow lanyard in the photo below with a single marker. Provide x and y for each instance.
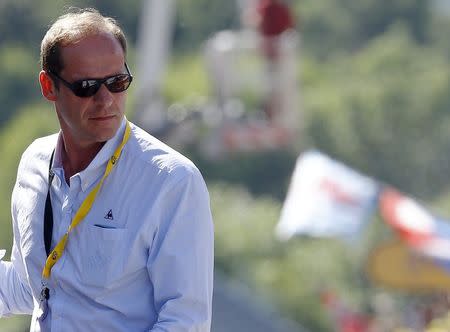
(84, 209)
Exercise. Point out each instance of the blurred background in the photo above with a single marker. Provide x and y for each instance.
(365, 82)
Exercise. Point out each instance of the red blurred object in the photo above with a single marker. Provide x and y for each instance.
(345, 319)
(354, 323)
(412, 222)
(274, 18)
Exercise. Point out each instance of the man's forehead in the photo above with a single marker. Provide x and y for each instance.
(96, 42)
(95, 56)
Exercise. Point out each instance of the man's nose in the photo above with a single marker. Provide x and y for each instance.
(104, 96)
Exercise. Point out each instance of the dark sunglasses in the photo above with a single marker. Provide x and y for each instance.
(89, 87)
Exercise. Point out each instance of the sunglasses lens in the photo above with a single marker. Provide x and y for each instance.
(86, 88)
(118, 83)
(89, 87)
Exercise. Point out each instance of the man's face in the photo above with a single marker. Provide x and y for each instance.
(90, 120)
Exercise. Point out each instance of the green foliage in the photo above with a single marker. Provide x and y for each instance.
(332, 25)
(19, 323)
(19, 82)
(240, 169)
(190, 31)
(384, 110)
(291, 274)
(185, 78)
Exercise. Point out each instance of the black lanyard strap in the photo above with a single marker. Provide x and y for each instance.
(48, 213)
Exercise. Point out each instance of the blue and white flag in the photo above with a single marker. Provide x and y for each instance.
(326, 199)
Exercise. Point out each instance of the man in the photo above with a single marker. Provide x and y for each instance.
(112, 228)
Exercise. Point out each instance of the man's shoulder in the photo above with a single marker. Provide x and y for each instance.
(41, 147)
(152, 152)
(36, 157)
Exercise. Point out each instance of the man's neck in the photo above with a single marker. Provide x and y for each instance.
(76, 157)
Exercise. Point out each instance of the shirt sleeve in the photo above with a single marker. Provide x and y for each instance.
(180, 263)
(15, 292)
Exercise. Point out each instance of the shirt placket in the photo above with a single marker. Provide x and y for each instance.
(70, 198)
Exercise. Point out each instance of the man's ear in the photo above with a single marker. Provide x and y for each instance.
(48, 88)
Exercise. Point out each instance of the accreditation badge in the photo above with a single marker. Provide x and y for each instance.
(43, 303)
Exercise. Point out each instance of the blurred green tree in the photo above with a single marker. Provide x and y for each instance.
(328, 26)
(384, 110)
(192, 29)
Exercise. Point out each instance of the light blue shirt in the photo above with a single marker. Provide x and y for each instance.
(142, 259)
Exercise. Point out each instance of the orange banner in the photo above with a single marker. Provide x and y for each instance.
(395, 265)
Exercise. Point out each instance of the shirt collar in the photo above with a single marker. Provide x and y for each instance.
(96, 168)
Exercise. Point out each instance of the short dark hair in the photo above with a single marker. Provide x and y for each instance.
(70, 28)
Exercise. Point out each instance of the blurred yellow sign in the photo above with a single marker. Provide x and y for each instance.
(397, 266)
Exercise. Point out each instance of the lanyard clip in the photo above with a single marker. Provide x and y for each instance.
(45, 292)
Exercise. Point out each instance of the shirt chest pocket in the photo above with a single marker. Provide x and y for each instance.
(97, 255)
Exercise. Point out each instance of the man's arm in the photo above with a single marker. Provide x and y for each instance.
(180, 264)
(15, 296)
(15, 293)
